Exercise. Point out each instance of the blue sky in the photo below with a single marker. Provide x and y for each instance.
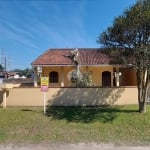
(29, 27)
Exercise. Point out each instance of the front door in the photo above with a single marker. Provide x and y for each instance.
(106, 78)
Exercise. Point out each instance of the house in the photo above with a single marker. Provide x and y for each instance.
(62, 65)
(9, 75)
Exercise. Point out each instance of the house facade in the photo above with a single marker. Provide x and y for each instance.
(62, 66)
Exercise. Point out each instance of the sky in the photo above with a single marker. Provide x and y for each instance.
(29, 27)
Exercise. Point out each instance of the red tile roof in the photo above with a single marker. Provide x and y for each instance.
(87, 56)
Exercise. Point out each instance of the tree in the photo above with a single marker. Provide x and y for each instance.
(128, 41)
(27, 72)
(79, 78)
(1, 68)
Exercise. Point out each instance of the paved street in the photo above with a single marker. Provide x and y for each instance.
(80, 146)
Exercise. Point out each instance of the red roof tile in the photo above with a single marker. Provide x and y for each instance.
(87, 56)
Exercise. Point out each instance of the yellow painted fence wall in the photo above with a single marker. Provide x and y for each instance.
(71, 96)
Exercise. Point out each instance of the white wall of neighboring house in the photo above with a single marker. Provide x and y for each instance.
(16, 76)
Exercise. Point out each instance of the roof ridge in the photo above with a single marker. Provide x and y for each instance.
(74, 48)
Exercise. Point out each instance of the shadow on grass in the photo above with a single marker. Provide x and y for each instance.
(86, 114)
(26, 109)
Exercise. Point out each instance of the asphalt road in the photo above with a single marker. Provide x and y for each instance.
(80, 146)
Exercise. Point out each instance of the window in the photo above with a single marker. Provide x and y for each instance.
(53, 77)
(106, 78)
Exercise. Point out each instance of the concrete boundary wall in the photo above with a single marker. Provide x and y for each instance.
(71, 96)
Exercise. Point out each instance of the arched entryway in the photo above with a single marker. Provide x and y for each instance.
(106, 78)
(53, 77)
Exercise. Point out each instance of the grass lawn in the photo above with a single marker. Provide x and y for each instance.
(115, 124)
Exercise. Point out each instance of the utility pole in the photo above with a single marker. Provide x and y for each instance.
(5, 64)
(4, 61)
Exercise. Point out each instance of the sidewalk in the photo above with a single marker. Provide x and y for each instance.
(80, 146)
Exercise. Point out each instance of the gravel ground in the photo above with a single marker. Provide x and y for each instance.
(80, 146)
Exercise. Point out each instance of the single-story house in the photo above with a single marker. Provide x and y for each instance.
(60, 65)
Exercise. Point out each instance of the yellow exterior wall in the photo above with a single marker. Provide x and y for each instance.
(47, 70)
(97, 73)
(72, 96)
(63, 71)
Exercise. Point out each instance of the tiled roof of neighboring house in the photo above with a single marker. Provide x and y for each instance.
(87, 56)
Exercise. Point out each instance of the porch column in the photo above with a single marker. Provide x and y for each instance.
(111, 78)
(62, 76)
(117, 76)
(35, 77)
(117, 80)
(4, 98)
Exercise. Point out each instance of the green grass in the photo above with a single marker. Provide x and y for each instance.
(116, 124)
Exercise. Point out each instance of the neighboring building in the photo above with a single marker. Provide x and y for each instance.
(10, 75)
(60, 65)
(13, 75)
(2, 75)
